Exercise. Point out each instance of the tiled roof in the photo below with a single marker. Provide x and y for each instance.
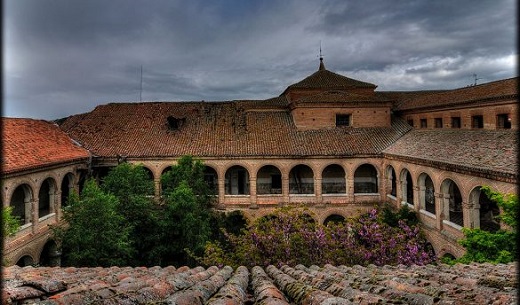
(495, 150)
(325, 79)
(336, 96)
(507, 88)
(431, 284)
(28, 143)
(218, 129)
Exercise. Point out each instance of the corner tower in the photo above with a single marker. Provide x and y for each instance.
(329, 100)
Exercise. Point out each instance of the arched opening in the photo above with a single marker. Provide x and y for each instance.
(211, 179)
(407, 186)
(25, 261)
(50, 256)
(237, 181)
(165, 171)
(452, 205)
(301, 180)
(333, 180)
(83, 174)
(427, 193)
(21, 203)
(365, 179)
(67, 187)
(392, 181)
(149, 173)
(487, 211)
(269, 180)
(46, 197)
(334, 218)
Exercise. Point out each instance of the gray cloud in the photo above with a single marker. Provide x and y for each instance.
(63, 57)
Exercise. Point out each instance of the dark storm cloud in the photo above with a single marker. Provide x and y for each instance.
(63, 57)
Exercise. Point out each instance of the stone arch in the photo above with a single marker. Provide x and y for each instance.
(426, 193)
(50, 255)
(334, 218)
(365, 179)
(452, 202)
(269, 180)
(25, 260)
(391, 181)
(301, 180)
(236, 180)
(333, 180)
(149, 172)
(406, 186)
(163, 172)
(67, 188)
(47, 197)
(21, 203)
(485, 211)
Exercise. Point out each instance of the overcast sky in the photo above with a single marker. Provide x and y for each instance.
(64, 57)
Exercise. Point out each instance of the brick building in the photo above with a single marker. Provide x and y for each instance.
(330, 142)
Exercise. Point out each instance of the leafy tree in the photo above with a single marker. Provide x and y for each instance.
(94, 234)
(186, 224)
(10, 223)
(134, 189)
(493, 247)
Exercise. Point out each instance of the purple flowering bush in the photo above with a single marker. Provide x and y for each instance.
(289, 236)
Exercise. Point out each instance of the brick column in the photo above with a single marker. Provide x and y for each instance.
(416, 201)
(317, 188)
(33, 212)
(221, 191)
(157, 189)
(252, 192)
(57, 206)
(467, 213)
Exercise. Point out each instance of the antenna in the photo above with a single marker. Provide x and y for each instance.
(321, 55)
(141, 87)
(475, 79)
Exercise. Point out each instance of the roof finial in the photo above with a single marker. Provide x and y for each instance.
(322, 65)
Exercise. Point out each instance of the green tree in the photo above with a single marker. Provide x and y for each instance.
(94, 233)
(493, 247)
(10, 223)
(187, 215)
(134, 189)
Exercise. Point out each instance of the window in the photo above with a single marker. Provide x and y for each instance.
(455, 122)
(438, 122)
(410, 122)
(503, 121)
(342, 119)
(424, 123)
(477, 121)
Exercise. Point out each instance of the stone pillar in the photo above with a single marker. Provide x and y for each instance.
(416, 201)
(285, 187)
(157, 189)
(439, 211)
(57, 206)
(467, 211)
(350, 187)
(221, 192)
(252, 192)
(317, 189)
(34, 213)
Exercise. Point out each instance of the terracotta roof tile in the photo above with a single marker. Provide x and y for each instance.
(218, 129)
(507, 88)
(28, 143)
(325, 79)
(495, 150)
(430, 284)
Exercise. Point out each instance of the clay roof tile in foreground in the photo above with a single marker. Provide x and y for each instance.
(430, 284)
(217, 129)
(28, 144)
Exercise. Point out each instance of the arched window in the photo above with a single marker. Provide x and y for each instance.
(392, 183)
(487, 212)
(334, 218)
(427, 193)
(46, 197)
(21, 203)
(407, 186)
(301, 180)
(67, 187)
(365, 179)
(237, 181)
(452, 204)
(50, 255)
(269, 180)
(333, 180)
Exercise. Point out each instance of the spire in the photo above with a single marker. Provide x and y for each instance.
(322, 65)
